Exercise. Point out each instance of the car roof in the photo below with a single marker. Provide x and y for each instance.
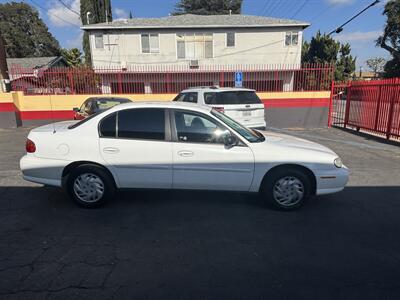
(215, 89)
(107, 98)
(163, 104)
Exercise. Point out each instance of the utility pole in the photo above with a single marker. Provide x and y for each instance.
(4, 78)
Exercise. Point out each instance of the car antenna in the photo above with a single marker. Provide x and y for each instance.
(52, 113)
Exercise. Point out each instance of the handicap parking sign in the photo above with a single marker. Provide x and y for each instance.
(238, 79)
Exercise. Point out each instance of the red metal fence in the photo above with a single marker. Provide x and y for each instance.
(169, 79)
(373, 106)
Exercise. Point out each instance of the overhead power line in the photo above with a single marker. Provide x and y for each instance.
(340, 28)
(69, 8)
(300, 9)
(54, 15)
(277, 7)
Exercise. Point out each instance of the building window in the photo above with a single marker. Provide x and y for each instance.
(292, 39)
(230, 39)
(98, 41)
(150, 43)
(194, 45)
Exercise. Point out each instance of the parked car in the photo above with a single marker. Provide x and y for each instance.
(175, 145)
(242, 105)
(94, 105)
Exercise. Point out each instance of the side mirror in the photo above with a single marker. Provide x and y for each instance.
(75, 109)
(230, 141)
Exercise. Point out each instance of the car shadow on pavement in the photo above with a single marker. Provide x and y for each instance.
(49, 197)
(370, 137)
(199, 245)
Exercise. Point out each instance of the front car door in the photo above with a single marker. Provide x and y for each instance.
(200, 158)
(137, 147)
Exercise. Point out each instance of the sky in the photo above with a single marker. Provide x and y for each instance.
(324, 15)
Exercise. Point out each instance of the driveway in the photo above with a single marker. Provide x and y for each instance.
(203, 245)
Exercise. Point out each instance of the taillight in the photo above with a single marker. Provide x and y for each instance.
(30, 146)
(220, 109)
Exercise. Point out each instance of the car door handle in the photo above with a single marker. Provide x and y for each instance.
(185, 153)
(110, 150)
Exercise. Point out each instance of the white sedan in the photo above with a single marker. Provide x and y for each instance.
(177, 146)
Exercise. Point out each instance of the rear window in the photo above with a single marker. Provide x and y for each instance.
(231, 97)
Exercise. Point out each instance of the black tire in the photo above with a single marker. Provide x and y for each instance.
(270, 182)
(99, 180)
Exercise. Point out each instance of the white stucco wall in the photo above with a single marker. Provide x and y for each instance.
(252, 46)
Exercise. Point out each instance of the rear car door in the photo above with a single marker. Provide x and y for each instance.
(137, 147)
(243, 106)
(200, 158)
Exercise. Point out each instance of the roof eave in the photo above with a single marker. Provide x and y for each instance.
(107, 27)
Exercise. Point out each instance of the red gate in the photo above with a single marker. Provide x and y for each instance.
(373, 106)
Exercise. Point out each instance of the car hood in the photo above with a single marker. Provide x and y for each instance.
(288, 141)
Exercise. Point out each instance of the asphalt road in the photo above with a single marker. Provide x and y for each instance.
(203, 245)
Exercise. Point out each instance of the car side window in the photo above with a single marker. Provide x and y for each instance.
(142, 123)
(186, 97)
(190, 97)
(210, 98)
(107, 127)
(195, 128)
(180, 97)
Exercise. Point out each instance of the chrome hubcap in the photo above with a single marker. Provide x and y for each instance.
(288, 191)
(88, 187)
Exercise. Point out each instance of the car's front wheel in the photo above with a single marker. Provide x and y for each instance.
(287, 189)
(90, 186)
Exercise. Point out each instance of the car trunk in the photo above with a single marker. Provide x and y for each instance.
(246, 114)
(243, 106)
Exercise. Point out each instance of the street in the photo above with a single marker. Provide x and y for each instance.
(205, 245)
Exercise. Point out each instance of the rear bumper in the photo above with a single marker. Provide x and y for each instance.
(259, 126)
(40, 170)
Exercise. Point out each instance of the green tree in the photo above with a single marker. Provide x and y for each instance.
(72, 56)
(99, 12)
(24, 33)
(390, 39)
(208, 7)
(376, 64)
(345, 64)
(324, 49)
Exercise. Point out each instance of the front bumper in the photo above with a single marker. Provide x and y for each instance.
(331, 181)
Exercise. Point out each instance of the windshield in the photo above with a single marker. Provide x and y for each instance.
(83, 121)
(252, 136)
(103, 104)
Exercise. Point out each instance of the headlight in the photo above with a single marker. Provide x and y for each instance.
(338, 162)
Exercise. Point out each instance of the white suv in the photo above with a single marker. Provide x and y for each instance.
(240, 104)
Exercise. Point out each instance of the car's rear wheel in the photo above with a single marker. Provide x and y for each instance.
(287, 189)
(90, 186)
